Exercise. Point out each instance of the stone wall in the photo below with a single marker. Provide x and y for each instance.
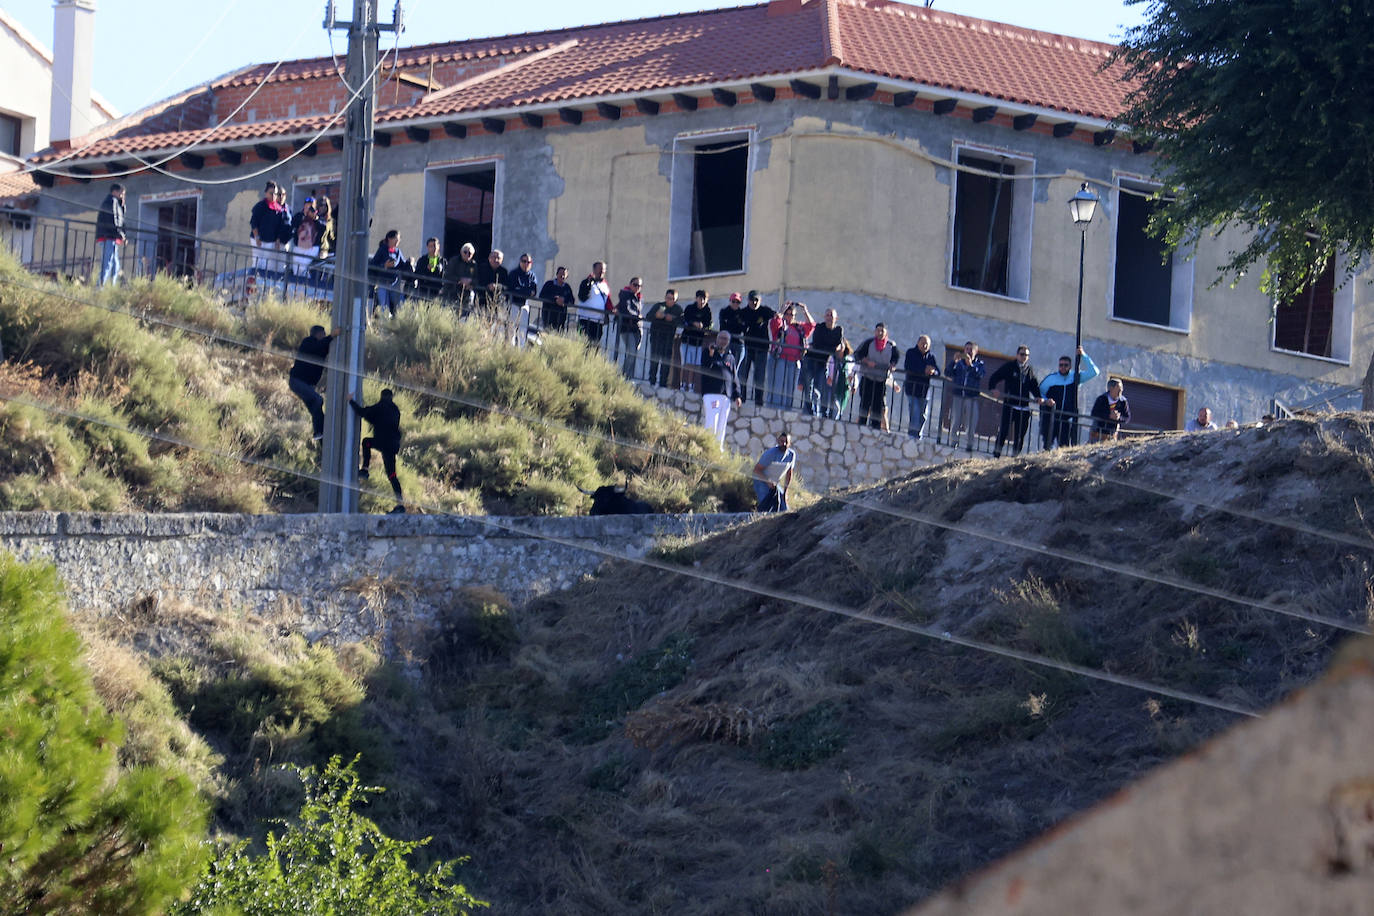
(344, 577)
(831, 454)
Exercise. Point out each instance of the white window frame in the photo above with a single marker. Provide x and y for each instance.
(1342, 320)
(682, 187)
(1181, 280)
(436, 175)
(1022, 225)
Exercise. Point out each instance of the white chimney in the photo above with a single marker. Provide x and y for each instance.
(73, 58)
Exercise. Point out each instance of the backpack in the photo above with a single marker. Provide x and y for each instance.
(584, 289)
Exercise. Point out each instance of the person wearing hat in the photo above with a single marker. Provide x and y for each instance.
(757, 318)
(732, 320)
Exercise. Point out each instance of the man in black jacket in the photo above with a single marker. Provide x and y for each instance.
(919, 367)
(385, 418)
(827, 341)
(307, 371)
(1020, 388)
(556, 296)
(109, 233)
(757, 317)
(263, 222)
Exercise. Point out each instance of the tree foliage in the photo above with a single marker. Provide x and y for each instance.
(329, 861)
(1260, 113)
(78, 835)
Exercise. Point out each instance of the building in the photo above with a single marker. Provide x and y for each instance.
(894, 162)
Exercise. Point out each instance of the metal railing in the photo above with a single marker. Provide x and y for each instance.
(64, 248)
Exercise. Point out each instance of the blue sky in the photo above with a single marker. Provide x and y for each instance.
(148, 49)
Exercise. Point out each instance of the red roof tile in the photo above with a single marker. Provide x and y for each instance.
(979, 57)
(879, 37)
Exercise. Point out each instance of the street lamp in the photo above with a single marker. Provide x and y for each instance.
(1082, 206)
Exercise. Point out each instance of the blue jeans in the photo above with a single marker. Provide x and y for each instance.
(389, 298)
(784, 382)
(916, 416)
(109, 261)
(815, 397)
(629, 345)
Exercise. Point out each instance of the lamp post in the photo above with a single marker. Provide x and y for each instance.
(1082, 206)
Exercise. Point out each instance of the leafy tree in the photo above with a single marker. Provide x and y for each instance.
(78, 835)
(1260, 113)
(329, 861)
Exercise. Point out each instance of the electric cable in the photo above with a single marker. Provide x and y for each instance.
(1120, 569)
(762, 591)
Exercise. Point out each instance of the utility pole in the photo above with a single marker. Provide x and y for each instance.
(339, 490)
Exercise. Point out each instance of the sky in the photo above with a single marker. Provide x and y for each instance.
(147, 50)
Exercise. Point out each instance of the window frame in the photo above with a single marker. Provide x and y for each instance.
(682, 181)
(434, 209)
(1182, 276)
(1020, 261)
(1342, 320)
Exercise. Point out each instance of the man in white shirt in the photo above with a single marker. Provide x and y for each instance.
(595, 295)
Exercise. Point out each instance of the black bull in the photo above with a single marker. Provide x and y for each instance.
(611, 500)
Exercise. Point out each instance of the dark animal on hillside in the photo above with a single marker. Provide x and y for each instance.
(611, 500)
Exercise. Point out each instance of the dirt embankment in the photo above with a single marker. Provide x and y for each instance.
(724, 740)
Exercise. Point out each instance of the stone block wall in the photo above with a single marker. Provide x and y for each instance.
(334, 576)
(831, 454)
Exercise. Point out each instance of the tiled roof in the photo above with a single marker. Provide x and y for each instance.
(979, 57)
(884, 38)
(647, 55)
(14, 186)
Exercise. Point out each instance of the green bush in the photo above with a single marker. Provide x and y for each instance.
(328, 861)
(631, 685)
(79, 835)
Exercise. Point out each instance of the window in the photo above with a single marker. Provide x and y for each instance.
(175, 248)
(11, 131)
(990, 252)
(462, 200)
(1318, 320)
(710, 211)
(1149, 284)
(1303, 323)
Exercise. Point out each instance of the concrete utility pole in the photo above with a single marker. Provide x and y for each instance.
(339, 491)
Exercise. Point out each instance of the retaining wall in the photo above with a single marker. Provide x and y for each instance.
(831, 454)
(334, 576)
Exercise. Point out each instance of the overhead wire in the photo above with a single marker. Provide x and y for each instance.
(47, 167)
(692, 572)
(927, 519)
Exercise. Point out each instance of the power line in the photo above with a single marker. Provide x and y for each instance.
(713, 578)
(1119, 569)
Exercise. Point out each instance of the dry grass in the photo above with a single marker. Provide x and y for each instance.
(748, 755)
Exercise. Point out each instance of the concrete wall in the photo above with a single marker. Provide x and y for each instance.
(850, 206)
(345, 577)
(831, 454)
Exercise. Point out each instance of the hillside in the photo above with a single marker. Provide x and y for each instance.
(155, 397)
(712, 741)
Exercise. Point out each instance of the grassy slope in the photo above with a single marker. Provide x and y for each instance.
(653, 743)
(233, 399)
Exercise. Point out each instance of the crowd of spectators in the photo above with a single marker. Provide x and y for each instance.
(783, 358)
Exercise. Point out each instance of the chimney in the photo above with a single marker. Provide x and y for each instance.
(73, 58)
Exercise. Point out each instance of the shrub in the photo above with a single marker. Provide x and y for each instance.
(79, 835)
(328, 860)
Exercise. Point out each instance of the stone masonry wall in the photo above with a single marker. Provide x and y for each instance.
(334, 576)
(831, 454)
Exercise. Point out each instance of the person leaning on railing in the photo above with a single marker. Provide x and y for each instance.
(556, 296)
(1110, 410)
(1059, 409)
(463, 274)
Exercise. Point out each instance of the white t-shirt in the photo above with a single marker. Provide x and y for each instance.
(594, 309)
